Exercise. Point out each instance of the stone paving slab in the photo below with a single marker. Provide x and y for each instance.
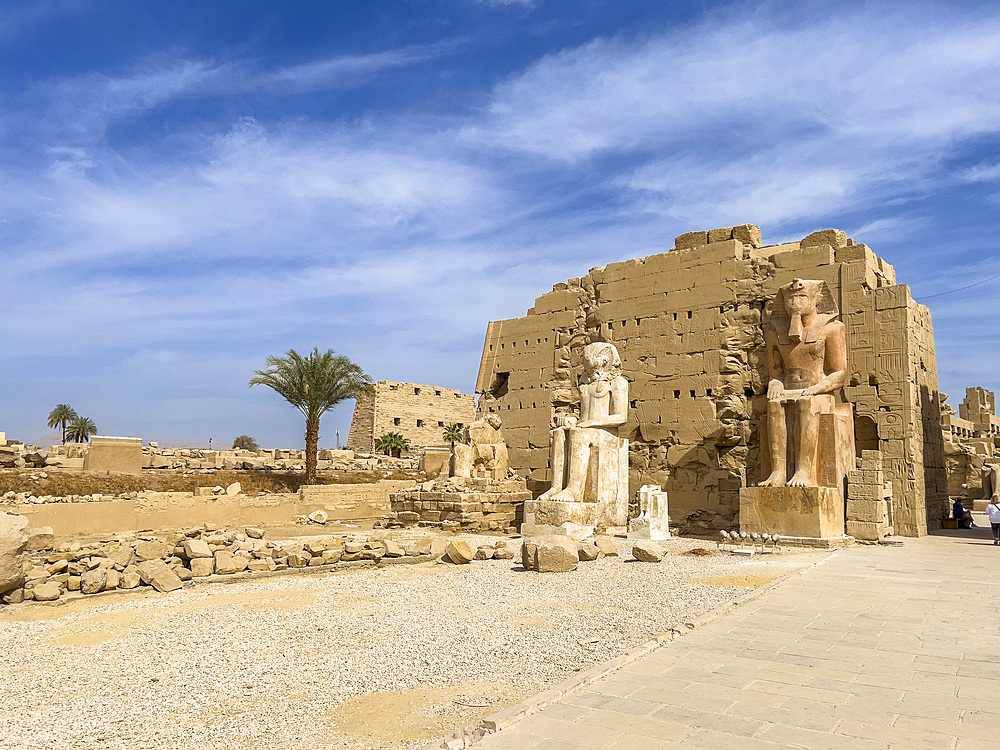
(877, 649)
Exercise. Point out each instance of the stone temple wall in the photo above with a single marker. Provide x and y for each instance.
(418, 412)
(687, 324)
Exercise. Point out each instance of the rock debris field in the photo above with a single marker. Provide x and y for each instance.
(388, 657)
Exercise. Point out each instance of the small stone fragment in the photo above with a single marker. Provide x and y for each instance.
(319, 516)
(589, 551)
(647, 551)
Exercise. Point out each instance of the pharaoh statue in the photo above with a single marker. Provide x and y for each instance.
(589, 459)
(484, 454)
(807, 362)
(991, 482)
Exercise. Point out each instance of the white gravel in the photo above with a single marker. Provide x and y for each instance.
(263, 663)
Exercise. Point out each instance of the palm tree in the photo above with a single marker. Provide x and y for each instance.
(392, 444)
(60, 417)
(453, 434)
(80, 429)
(313, 384)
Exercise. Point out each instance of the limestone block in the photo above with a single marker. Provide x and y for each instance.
(94, 581)
(544, 517)
(485, 552)
(130, 578)
(869, 511)
(588, 551)
(866, 530)
(867, 492)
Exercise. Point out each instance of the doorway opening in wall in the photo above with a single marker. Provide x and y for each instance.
(865, 434)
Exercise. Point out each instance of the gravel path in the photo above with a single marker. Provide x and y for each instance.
(365, 658)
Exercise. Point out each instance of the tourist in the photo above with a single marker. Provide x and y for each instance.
(993, 509)
(960, 514)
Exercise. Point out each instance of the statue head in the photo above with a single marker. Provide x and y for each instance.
(601, 360)
(802, 298)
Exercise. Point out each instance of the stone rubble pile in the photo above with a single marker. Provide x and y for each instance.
(470, 504)
(165, 561)
(71, 456)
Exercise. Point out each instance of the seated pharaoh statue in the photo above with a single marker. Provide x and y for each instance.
(807, 363)
(589, 459)
(484, 454)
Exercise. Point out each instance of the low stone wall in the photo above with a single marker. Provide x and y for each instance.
(177, 510)
(469, 504)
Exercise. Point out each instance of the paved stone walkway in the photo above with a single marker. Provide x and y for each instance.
(878, 647)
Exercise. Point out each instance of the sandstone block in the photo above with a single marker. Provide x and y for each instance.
(94, 581)
(691, 239)
(130, 578)
(40, 539)
(319, 516)
(13, 543)
(647, 551)
(159, 575)
(393, 549)
(748, 234)
(607, 546)
(113, 579)
(833, 237)
(202, 566)
(459, 552)
(588, 551)
(194, 548)
(486, 552)
(234, 489)
(261, 565)
(73, 583)
(503, 553)
(556, 555)
(47, 592)
(298, 560)
(254, 532)
(151, 550)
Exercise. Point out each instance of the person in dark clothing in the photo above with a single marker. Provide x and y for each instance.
(960, 514)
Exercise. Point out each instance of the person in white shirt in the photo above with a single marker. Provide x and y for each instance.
(994, 510)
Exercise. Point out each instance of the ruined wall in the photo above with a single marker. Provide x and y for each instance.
(688, 326)
(418, 412)
(970, 440)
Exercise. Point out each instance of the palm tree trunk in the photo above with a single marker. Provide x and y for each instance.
(64, 431)
(312, 443)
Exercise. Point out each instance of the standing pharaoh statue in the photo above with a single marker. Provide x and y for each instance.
(589, 459)
(807, 363)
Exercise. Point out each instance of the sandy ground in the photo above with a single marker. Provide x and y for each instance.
(389, 657)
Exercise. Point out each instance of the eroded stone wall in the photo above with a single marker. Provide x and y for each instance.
(418, 412)
(688, 326)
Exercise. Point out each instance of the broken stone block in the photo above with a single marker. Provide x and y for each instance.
(202, 566)
(151, 550)
(459, 552)
(254, 532)
(41, 538)
(392, 549)
(130, 578)
(94, 581)
(234, 489)
(319, 516)
(159, 575)
(47, 592)
(556, 555)
(607, 546)
(647, 551)
(588, 551)
(194, 548)
(13, 543)
(485, 552)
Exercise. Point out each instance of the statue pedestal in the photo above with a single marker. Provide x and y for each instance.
(803, 516)
(648, 528)
(654, 520)
(545, 517)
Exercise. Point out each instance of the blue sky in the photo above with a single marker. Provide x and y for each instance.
(187, 187)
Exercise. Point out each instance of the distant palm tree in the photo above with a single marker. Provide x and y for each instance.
(453, 434)
(392, 444)
(60, 417)
(80, 429)
(313, 384)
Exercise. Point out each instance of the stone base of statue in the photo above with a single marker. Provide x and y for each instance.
(802, 516)
(834, 447)
(545, 517)
(469, 504)
(653, 521)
